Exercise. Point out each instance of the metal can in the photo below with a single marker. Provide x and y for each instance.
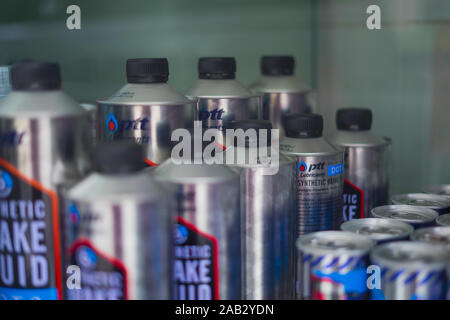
(443, 189)
(439, 203)
(147, 109)
(365, 163)
(379, 230)
(283, 93)
(92, 109)
(437, 235)
(410, 270)
(443, 220)
(319, 174)
(418, 217)
(332, 265)
(220, 97)
(44, 149)
(207, 233)
(267, 203)
(121, 229)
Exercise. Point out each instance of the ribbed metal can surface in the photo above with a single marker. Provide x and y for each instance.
(207, 232)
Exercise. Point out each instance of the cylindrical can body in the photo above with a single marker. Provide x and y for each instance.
(365, 172)
(221, 101)
(146, 114)
(269, 245)
(443, 220)
(410, 271)
(281, 96)
(436, 202)
(418, 217)
(319, 183)
(207, 233)
(121, 238)
(332, 266)
(92, 109)
(379, 230)
(5, 86)
(44, 149)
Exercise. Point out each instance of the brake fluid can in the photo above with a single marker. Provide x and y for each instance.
(267, 198)
(44, 149)
(121, 229)
(410, 270)
(147, 109)
(207, 232)
(220, 97)
(333, 265)
(365, 163)
(283, 93)
(319, 174)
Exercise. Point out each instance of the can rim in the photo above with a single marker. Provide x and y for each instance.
(442, 201)
(354, 227)
(419, 234)
(443, 220)
(304, 243)
(378, 254)
(428, 214)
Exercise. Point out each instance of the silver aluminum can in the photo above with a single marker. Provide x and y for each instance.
(121, 237)
(145, 110)
(379, 230)
(410, 270)
(45, 148)
(282, 92)
(443, 220)
(436, 235)
(207, 233)
(332, 265)
(416, 216)
(443, 189)
(365, 163)
(439, 203)
(267, 206)
(220, 97)
(318, 178)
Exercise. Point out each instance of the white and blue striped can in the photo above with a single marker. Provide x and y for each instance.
(411, 270)
(332, 265)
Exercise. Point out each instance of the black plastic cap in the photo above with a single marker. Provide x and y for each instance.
(216, 68)
(252, 124)
(119, 157)
(304, 125)
(354, 119)
(35, 76)
(147, 70)
(277, 65)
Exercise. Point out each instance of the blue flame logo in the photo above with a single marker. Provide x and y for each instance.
(111, 123)
(6, 184)
(180, 234)
(86, 257)
(302, 166)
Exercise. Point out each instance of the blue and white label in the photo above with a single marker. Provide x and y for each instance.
(335, 169)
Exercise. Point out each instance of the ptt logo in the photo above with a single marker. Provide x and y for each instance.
(215, 114)
(180, 234)
(112, 125)
(303, 167)
(6, 184)
(74, 214)
(86, 257)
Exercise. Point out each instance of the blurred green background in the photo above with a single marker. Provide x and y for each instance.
(402, 71)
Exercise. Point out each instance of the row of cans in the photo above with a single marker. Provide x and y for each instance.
(232, 228)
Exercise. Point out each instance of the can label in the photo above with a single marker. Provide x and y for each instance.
(196, 266)
(102, 277)
(353, 201)
(30, 262)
